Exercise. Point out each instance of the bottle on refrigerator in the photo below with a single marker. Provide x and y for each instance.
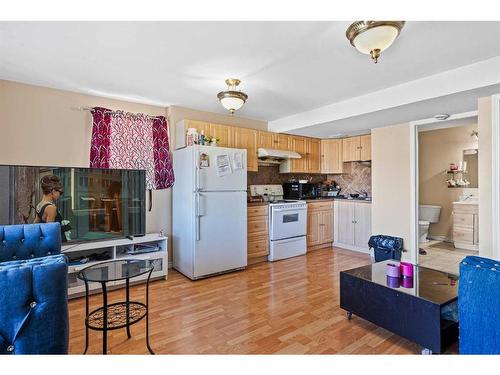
(202, 138)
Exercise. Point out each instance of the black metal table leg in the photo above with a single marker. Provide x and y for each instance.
(104, 318)
(86, 316)
(147, 314)
(127, 306)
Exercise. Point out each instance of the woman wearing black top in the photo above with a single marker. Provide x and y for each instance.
(46, 210)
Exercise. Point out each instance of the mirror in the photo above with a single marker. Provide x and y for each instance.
(471, 157)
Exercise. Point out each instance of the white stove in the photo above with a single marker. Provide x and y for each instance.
(287, 222)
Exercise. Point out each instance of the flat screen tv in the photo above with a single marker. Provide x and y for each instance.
(95, 204)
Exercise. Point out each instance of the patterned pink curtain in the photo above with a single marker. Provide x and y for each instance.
(132, 141)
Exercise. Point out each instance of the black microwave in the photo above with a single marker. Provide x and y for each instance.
(298, 190)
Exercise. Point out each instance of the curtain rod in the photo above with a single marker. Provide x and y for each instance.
(91, 109)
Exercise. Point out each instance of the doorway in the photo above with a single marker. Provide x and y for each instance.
(447, 191)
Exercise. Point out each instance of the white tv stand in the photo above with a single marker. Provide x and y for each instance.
(115, 249)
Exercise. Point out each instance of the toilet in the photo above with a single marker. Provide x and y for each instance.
(426, 216)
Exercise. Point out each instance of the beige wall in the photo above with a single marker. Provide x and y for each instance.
(391, 183)
(43, 126)
(436, 150)
(485, 181)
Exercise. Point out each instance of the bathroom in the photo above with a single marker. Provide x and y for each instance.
(448, 193)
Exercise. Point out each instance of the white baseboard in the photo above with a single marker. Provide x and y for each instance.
(440, 238)
(365, 250)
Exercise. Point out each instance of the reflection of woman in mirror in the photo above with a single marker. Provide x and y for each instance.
(46, 210)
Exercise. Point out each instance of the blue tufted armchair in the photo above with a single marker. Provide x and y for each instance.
(33, 290)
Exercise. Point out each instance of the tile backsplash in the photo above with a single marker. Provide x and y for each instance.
(270, 175)
(357, 176)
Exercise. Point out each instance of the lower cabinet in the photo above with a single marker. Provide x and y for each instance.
(466, 226)
(319, 224)
(257, 231)
(352, 227)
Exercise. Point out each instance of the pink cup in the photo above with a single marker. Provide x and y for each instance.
(406, 269)
(392, 270)
(407, 282)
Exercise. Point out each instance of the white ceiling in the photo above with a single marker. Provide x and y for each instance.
(286, 67)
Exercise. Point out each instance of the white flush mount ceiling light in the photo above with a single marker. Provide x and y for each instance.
(373, 37)
(231, 99)
(442, 116)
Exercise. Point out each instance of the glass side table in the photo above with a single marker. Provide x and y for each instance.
(118, 314)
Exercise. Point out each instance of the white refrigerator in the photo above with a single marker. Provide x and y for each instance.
(209, 224)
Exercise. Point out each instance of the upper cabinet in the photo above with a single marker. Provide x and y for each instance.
(223, 132)
(317, 155)
(313, 157)
(265, 139)
(331, 156)
(366, 147)
(299, 145)
(282, 142)
(247, 139)
(356, 148)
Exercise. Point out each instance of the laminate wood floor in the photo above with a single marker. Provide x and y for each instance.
(290, 306)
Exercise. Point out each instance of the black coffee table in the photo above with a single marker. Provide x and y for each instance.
(410, 308)
(119, 314)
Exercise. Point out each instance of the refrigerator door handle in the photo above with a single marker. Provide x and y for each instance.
(198, 178)
(197, 216)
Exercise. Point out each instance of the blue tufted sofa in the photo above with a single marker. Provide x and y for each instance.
(33, 290)
(479, 306)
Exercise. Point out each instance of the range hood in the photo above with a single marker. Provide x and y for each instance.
(272, 156)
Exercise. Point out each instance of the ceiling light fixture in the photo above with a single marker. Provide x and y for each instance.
(373, 37)
(231, 99)
(442, 117)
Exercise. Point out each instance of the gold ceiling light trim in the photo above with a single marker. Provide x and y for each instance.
(373, 37)
(232, 100)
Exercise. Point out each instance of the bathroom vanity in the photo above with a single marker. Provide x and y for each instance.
(466, 225)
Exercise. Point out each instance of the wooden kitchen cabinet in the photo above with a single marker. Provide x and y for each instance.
(282, 142)
(198, 125)
(247, 139)
(365, 142)
(313, 158)
(319, 224)
(299, 145)
(257, 232)
(352, 226)
(466, 226)
(331, 156)
(356, 148)
(223, 132)
(265, 140)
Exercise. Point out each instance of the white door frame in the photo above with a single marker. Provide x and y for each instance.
(414, 183)
(495, 176)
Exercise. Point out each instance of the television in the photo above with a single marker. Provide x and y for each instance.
(96, 204)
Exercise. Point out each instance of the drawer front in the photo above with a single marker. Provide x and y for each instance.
(317, 206)
(463, 220)
(466, 208)
(463, 234)
(258, 247)
(257, 225)
(257, 211)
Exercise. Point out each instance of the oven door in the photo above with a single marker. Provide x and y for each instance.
(288, 223)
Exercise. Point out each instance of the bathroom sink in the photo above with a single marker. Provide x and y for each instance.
(468, 201)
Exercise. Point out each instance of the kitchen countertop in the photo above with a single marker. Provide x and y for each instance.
(362, 200)
(256, 204)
